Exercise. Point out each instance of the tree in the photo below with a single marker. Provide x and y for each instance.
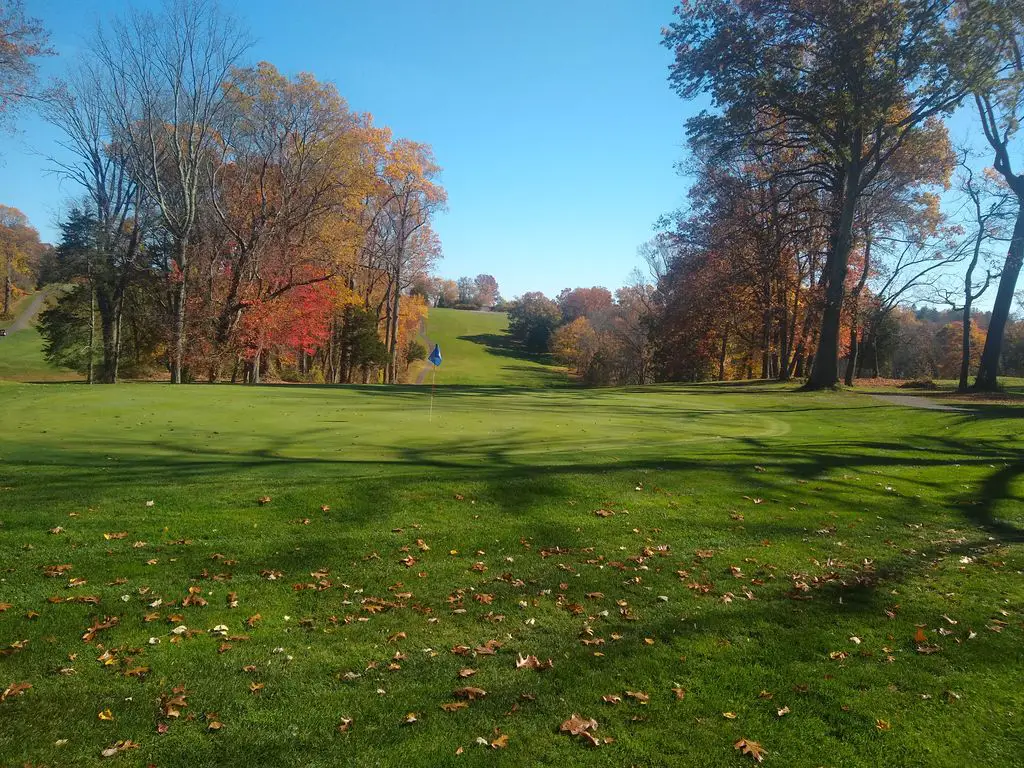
(486, 290)
(164, 74)
(411, 197)
(845, 82)
(989, 205)
(583, 302)
(111, 220)
(532, 319)
(19, 248)
(289, 167)
(22, 39)
(447, 293)
(1000, 109)
(576, 344)
(466, 288)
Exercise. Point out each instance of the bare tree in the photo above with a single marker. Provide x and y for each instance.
(96, 162)
(164, 74)
(990, 206)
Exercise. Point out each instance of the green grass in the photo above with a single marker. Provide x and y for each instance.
(21, 359)
(837, 510)
(21, 352)
(477, 350)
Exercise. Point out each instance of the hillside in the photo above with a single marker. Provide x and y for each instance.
(477, 349)
(21, 350)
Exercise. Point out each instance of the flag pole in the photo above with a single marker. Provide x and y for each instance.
(433, 371)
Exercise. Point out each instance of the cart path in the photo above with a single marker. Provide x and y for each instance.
(24, 320)
(916, 401)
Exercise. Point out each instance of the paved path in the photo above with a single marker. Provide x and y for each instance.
(916, 401)
(24, 320)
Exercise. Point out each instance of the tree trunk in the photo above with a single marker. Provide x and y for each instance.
(179, 311)
(965, 355)
(851, 367)
(721, 357)
(988, 368)
(395, 307)
(92, 331)
(115, 363)
(825, 372)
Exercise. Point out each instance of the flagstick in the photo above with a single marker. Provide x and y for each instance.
(433, 371)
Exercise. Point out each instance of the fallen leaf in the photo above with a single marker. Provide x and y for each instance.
(14, 689)
(452, 706)
(106, 714)
(883, 725)
(532, 662)
(680, 693)
(576, 725)
(469, 693)
(752, 748)
(729, 715)
(611, 698)
(501, 742)
(118, 747)
(638, 696)
(782, 712)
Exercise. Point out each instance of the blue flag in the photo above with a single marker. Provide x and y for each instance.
(435, 356)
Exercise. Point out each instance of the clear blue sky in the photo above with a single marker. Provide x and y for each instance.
(552, 119)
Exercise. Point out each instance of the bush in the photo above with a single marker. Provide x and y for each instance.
(415, 351)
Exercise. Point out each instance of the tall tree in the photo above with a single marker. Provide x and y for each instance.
(164, 74)
(989, 207)
(486, 290)
(847, 81)
(1000, 104)
(288, 168)
(98, 163)
(411, 196)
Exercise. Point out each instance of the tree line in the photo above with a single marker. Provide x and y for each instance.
(232, 221)
(820, 171)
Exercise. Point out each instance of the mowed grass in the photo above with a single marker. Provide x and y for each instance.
(477, 350)
(768, 550)
(21, 359)
(21, 352)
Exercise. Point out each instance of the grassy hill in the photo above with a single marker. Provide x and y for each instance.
(478, 350)
(21, 352)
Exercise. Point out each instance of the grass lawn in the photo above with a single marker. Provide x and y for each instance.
(21, 359)
(854, 565)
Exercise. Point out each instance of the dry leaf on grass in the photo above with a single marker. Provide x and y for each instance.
(752, 748)
(469, 693)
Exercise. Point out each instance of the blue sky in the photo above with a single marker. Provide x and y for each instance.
(553, 121)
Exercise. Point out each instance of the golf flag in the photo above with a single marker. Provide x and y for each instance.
(435, 356)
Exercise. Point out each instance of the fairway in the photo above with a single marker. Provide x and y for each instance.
(478, 350)
(755, 532)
